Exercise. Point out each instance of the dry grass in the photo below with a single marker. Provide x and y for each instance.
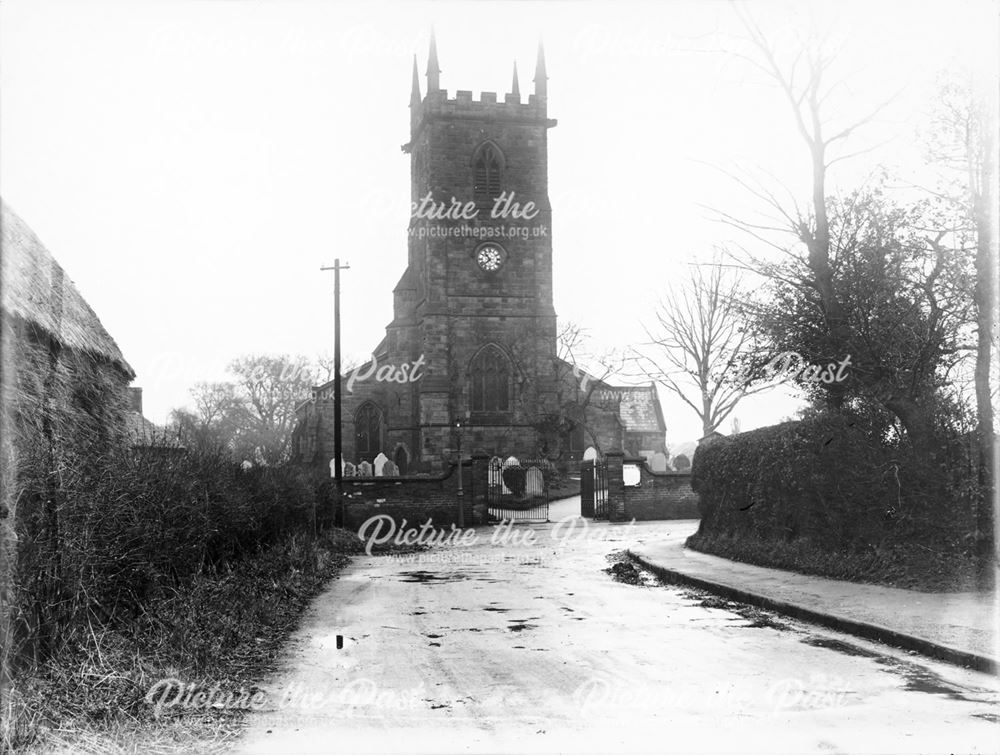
(226, 627)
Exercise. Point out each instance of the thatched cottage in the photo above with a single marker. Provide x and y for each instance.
(63, 388)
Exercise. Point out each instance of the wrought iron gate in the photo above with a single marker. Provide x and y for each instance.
(594, 489)
(518, 490)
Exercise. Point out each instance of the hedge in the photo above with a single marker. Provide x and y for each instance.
(826, 481)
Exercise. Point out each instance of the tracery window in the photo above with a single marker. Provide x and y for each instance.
(489, 376)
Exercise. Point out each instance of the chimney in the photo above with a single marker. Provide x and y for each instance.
(135, 400)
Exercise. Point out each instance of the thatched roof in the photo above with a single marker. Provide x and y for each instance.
(36, 289)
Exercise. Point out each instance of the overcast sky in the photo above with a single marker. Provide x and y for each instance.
(192, 164)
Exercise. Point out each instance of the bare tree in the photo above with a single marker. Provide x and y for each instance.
(272, 387)
(589, 369)
(963, 141)
(697, 347)
(323, 367)
(218, 418)
(813, 244)
(580, 378)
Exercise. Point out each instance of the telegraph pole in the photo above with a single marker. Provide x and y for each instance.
(461, 499)
(338, 464)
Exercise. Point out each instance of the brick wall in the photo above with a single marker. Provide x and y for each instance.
(659, 495)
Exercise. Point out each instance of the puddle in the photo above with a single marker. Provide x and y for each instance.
(426, 576)
(993, 718)
(916, 678)
(919, 679)
(839, 646)
(521, 626)
(497, 610)
(433, 636)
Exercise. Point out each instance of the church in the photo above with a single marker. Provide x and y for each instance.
(470, 356)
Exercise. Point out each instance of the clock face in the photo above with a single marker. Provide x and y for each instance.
(489, 257)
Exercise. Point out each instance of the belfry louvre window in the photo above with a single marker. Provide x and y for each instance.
(368, 432)
(490, 381)
(487, 173)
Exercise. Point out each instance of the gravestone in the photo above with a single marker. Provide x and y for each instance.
(364, 469)
(349, 469)
(535, 486)
(658, 463)
(379, 464)
(389, 469)
(510, 462)
(515, 479)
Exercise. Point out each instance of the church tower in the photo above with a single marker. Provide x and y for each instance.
(476, 298)
(473, 334)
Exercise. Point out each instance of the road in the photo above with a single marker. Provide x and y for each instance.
(535, 648)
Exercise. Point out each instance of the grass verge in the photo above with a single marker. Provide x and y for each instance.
(226, 627)
(912, 566)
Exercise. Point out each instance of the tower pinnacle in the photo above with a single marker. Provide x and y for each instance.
(541, 88)
(433, 72)
(415, 91)
(515, 88)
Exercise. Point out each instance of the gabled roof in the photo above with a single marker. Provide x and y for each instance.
(638, 405)
(380, 352)
(584, 377)
(36, 289)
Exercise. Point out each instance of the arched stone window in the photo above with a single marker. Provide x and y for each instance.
(487, 172)
(489, 381)
(368, 431)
